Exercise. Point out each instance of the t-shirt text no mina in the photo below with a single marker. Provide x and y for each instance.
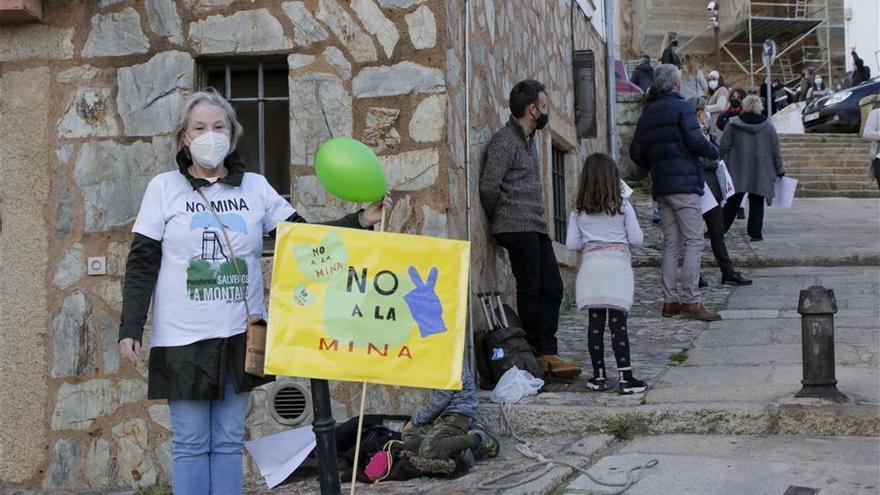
(198, 293)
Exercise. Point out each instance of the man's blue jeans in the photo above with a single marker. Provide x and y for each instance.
(208, 436)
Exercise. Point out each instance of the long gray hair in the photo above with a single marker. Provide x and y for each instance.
(211, 97)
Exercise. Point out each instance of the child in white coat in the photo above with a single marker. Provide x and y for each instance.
(603, 226)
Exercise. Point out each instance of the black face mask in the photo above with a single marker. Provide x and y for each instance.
(541, 121)
(734, 103)
(675, 43)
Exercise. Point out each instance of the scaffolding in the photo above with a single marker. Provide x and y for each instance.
(791, 24)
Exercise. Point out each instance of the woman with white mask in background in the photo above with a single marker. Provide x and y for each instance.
(196, 253)
(719, 101)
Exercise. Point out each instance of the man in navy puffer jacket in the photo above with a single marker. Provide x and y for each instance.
(669, 144)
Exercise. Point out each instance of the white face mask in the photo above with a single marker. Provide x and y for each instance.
(209, 149)
(818, 81)
(713, 84)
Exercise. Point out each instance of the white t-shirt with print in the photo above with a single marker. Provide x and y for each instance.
(197, 294)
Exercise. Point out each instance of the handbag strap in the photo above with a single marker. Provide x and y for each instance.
(231, 252)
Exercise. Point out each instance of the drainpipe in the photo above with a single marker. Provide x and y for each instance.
(610, 80)
(470, 352)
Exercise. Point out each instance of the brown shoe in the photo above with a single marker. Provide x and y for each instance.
(699, 312)
(557, 367)
(671, 309)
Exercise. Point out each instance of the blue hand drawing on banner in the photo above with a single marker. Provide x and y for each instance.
(424, 304)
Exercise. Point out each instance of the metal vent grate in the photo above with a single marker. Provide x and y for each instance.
(289, 404)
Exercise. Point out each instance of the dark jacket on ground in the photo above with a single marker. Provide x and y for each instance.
(751, 152)
(194, 371)
(643, 76)
(668, 143)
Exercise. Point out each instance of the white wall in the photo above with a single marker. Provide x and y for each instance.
(862, 27)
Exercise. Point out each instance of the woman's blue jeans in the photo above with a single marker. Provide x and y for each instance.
(208, 436)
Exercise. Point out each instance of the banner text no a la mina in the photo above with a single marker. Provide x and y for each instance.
(356, 305)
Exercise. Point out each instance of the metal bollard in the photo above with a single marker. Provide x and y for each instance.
(817, 306)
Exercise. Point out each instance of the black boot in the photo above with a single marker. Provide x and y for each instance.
(735, 278)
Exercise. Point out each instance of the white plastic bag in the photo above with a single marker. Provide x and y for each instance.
(514, 385)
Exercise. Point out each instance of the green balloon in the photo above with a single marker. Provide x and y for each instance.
(349, 170)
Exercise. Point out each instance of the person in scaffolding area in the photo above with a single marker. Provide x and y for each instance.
(195, 254)
(861, 72)
(670, 55)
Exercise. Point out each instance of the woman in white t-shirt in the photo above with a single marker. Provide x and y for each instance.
(180, 258)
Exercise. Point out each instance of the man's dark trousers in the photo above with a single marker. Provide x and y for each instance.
(538, 286)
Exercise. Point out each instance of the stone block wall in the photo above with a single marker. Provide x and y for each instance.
(509, 42)
(89, 102)
(89, 99)
(629, 109)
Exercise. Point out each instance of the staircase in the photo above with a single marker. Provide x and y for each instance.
(828, 165)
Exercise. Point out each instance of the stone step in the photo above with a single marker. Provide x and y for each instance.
(820, 137)
(849, 150)
(830, 159)
(800, 172)
(838, 185)
(839, 194)
(794, 417)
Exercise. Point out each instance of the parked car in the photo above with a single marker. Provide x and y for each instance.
(839, 112)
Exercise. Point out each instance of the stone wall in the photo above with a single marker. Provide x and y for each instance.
(629, 109)
(89, 100)
(508, 42)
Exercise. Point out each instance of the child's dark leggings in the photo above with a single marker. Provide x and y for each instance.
(619, 339)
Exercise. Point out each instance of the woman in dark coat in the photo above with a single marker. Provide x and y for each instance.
(750, 148)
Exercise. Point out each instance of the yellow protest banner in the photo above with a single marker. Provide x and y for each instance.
(356, 305)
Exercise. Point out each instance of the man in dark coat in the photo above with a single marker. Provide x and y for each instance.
(643, 75)
(669, 144)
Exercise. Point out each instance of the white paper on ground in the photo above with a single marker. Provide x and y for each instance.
(785, 188)
(707, 200)
(280, 454)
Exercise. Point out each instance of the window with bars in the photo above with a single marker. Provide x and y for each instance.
(558, 178)
(257, 89)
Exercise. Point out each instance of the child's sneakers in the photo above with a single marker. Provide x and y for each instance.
(488, 444)
(631, 386)
(597, 384)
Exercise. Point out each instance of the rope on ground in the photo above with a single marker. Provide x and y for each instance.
(544, 465)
